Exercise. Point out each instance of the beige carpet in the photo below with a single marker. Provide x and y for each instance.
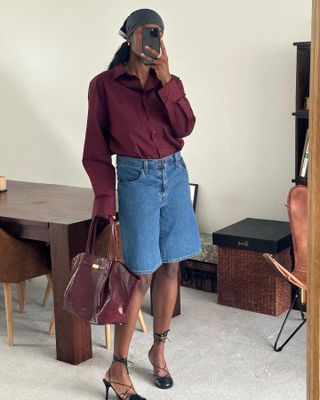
(216, 352)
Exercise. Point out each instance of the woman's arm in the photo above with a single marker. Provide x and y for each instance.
(96, 157)
(178, 107)
(172, 93)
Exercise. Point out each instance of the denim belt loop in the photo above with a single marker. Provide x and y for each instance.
(145, 166)
(176, 158)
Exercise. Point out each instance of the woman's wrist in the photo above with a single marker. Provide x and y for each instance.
(165, 80)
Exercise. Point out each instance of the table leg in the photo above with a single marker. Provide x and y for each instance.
(177, 307)
(73, 335)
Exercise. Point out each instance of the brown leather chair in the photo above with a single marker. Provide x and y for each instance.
(297, 211)
(21, 259)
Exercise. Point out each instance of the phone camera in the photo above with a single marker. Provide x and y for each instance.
(154, 32)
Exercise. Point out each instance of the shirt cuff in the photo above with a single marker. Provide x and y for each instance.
(104, 206)
(171, 91)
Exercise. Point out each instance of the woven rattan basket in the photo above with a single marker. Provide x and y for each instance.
(244, 283)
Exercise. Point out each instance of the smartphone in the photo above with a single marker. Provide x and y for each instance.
(151, 38)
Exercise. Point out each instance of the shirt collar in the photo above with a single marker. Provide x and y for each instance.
(120, 70)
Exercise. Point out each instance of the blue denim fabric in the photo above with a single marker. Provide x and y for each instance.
(157, 221)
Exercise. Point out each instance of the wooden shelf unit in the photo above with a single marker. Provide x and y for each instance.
(301, 114)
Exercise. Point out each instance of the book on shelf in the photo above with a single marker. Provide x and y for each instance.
(305, 157)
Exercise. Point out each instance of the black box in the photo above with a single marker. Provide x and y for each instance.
(255, 234)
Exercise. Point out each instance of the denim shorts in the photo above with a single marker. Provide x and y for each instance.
(157, 220)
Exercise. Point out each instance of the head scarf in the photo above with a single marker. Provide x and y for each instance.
(138, 18)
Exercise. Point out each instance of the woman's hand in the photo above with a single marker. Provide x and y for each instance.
(160, 64)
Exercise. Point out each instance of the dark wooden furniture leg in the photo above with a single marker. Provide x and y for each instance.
(177, 307)
(73, 335)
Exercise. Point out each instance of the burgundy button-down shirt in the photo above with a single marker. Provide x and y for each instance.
(125, 119)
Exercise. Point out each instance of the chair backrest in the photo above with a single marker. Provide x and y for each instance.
(298, 217)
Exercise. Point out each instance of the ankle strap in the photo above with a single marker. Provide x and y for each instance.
(121, 359)
(161, 337)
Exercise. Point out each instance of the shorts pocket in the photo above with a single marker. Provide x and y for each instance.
(182, 164)
(129, 173)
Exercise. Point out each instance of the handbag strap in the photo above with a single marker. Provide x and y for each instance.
(113, 239)
(92, 234)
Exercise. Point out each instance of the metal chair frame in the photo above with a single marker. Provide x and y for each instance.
(297, 298)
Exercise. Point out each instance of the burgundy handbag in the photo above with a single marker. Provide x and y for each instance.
(100, 289)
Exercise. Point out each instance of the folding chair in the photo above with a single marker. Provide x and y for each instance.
(297, 211)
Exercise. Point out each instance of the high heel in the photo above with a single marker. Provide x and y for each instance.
(124, 395)
(107, 384)
(162, 382)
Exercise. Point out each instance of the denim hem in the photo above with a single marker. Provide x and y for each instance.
(146, 272)
(184, 257)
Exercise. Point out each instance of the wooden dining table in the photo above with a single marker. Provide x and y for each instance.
(60, 216)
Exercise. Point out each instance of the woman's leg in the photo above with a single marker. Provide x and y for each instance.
(122, 337)
(164, 296)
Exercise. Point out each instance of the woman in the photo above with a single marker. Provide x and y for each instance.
(140, 113)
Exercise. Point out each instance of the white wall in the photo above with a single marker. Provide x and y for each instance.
(237, 63)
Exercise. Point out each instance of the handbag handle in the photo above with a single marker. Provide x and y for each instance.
(92, 234)
(113, 240)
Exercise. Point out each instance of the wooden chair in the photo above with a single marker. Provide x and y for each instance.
(48, 291)
(45, 302)
(107, 329)
(108, 334)
(21, 259)
(297, 210)
(100, 248)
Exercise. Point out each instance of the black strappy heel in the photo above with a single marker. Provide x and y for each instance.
(162, 382)
(124, 395)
